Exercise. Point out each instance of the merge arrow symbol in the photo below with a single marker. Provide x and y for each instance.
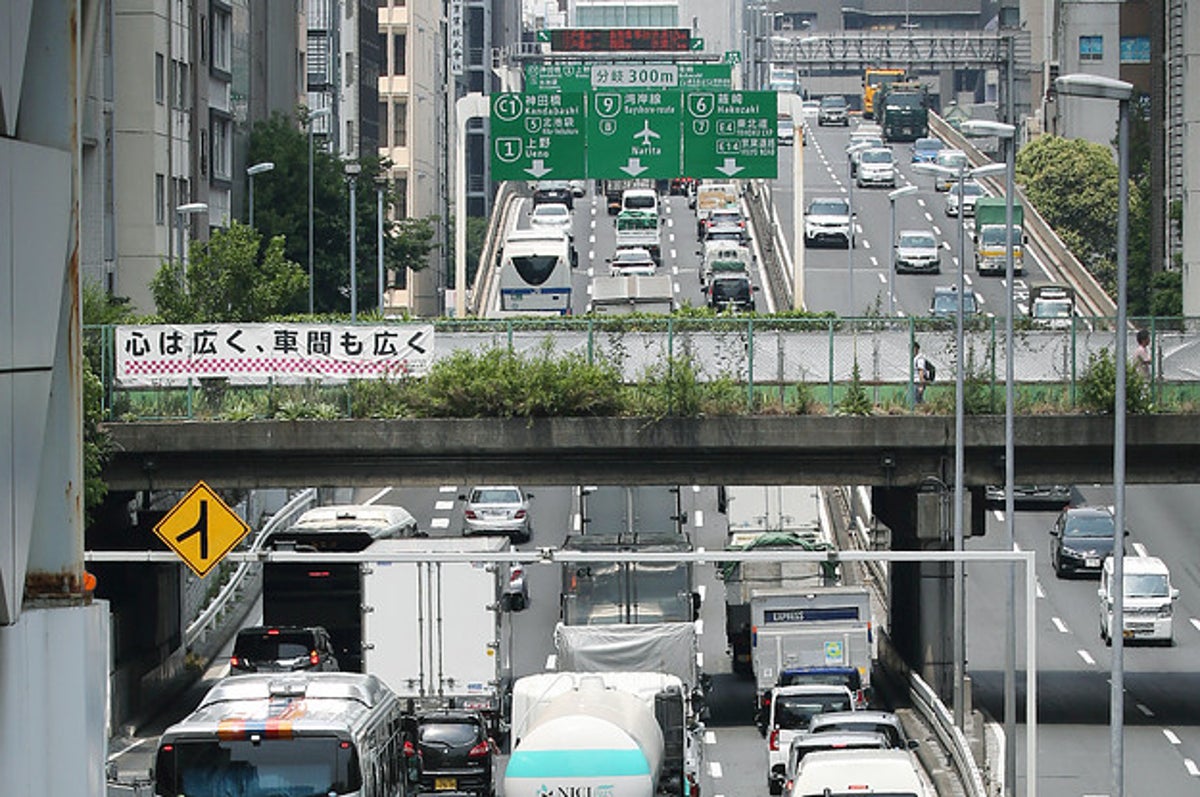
(634, 167)
(730, 167)
(538, 169)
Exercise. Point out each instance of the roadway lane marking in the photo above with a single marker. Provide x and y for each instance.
(1171, 737)
(698, 521)
(377, 496)
(448, 488)
(673, 254)
(125, 750)
(936, 229)
(874, 261)
(1041, 593)
(999, 515)
(439, 523)
(1195, 623)
(695, 488)
(675, 270)
(671, 223)
(920, 202)
(1145, 710)
(1141, 549)
(676, 286)
(575, 524)
(1087, 657)
(702, 590)
(714, 769)
(882, 278)
(967, 280)
(1060, 625)
(551, 662)
(1191, 767)
(442, 506)
(710, 737)
(589, 289)
(591, 272)
(593, 224)
(699, 626)
(929, 217)
(591, 240)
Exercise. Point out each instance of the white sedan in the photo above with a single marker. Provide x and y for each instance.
(554, 216)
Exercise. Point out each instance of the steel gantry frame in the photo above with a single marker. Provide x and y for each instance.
(965, 49)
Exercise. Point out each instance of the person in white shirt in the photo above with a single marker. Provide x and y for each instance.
(1141, 355)
(918, 374)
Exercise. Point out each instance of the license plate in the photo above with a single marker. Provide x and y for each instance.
(1092, 562)
(1129, 633)
(445, 784)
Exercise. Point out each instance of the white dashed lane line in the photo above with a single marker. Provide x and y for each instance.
(1145, 709)
(448, 488)
(1087, 657)
(698, 518)
(1191, 767)
(1171, 737)
(440, 523)
(1195, 623)
(710, 737)
(442, 506)
(1060, 625)
(714, 769)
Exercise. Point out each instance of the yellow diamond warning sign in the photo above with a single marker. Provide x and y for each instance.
(201, 529)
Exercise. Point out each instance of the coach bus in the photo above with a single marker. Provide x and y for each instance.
(298, 733)
(535, 273)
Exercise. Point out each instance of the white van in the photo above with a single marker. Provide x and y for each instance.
(849, 772)
(1149, 602)
(643, 199)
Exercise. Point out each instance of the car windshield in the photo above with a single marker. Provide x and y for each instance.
(258, 768)
(1055, 309)
(633, 256)
(1089, 526)
(877, 156)
(972, 189)
(1146, 585)
(849, 679)
(551, 213)
(829, 208)
(449, 733)
(641, 201)
(725, 234)
(918, 240)
(273, 646)
(833, 102)
(797, 711)
(732, 290)
(952, 158)
(993, 235)
(927, 145)
(948, 303)
(850, 726)
(493, 495)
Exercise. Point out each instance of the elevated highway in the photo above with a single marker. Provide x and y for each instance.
(895, 451)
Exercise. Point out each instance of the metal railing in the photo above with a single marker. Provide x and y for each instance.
(210, 619)
(485, 274)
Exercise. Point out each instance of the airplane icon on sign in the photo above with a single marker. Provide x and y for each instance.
(646, 135)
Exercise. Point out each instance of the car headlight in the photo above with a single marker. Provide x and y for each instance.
(1165, 610)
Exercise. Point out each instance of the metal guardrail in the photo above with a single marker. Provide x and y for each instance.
(770, 244)
(486, 272)
(1058, 257)
(951, 737)
(199, 628)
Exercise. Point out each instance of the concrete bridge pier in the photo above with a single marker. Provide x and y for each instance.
(921, 615)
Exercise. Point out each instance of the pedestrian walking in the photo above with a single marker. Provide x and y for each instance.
(1142, 358)
(919, 373)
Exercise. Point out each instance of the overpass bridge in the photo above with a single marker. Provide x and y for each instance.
(886, 450)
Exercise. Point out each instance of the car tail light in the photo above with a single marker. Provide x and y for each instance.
(773, 741)
(234, 661)
(480, 750)
(314, 658)
(470, 514)
(272, 632)
(520, 515)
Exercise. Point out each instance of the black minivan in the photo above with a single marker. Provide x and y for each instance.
(282, 649)
(455, 752)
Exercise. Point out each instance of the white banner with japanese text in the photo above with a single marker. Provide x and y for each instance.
(248, 354)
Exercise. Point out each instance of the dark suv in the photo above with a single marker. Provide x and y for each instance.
(455, 752)
(282, 649)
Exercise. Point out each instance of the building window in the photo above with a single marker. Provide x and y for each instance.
(399, 54)
(400, 123)
(220, 148)
(349, 73)
(159, 78)
(221, 39)
(180, 83)
(1135, 49)
(1091, 48)
(160, 199)
(400, 190)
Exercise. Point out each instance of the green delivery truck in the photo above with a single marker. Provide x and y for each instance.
(989, 236)
(902, 109)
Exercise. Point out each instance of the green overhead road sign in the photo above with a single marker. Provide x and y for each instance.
(601, 77)
(633, 133)
(695, 43)
(538, 136)
(543, 35)
(733, 56)
(730, 134)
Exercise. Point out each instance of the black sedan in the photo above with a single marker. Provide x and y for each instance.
(1080, 539)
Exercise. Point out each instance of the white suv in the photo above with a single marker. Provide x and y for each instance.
(828, 220)
(792, 708)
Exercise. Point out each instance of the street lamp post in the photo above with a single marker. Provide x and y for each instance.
(892, 197)
(320, 113)
(258, 168)
(380, 183)
(183, 211)
(1106, 88)
(960, 637)
(1007, 133)
(352, 170)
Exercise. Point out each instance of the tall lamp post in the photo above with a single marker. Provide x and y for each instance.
(1106, 88)
(320, 113)
(959, 640)
(183, 211)
(258, 168)
(1007, 134)
(892, 197)
(380, 184)
(352, 170)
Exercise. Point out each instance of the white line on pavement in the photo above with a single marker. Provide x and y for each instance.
(1087, 657)
(1195, 623)
(442, 506)
(1145, 709)
(448, 488)
(997, 513)
(377, 496)
(714, 769)
(1041, 593)
(575, 521)
(439, 523)
(1191, 767)
(125, 750)
(1060, 625)
(1137, 546)
(698, 519)
(882, 278)
(1171, 737)
(874, 261)
(710, 737)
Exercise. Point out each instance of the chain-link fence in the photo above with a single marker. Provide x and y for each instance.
(768, 357)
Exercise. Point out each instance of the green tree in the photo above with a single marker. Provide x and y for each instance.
(281, 208)
(229, 279)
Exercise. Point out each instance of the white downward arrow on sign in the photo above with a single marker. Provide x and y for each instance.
(634, 167)
(538, 169)
(730, 167)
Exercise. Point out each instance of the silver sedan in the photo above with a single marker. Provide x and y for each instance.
(497, 510)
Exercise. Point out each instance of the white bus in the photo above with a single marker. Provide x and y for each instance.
(295, 733)
(535, 273)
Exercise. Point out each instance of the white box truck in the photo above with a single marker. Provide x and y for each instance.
(431, 629)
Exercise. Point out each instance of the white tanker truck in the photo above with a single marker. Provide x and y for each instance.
(605, 734)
